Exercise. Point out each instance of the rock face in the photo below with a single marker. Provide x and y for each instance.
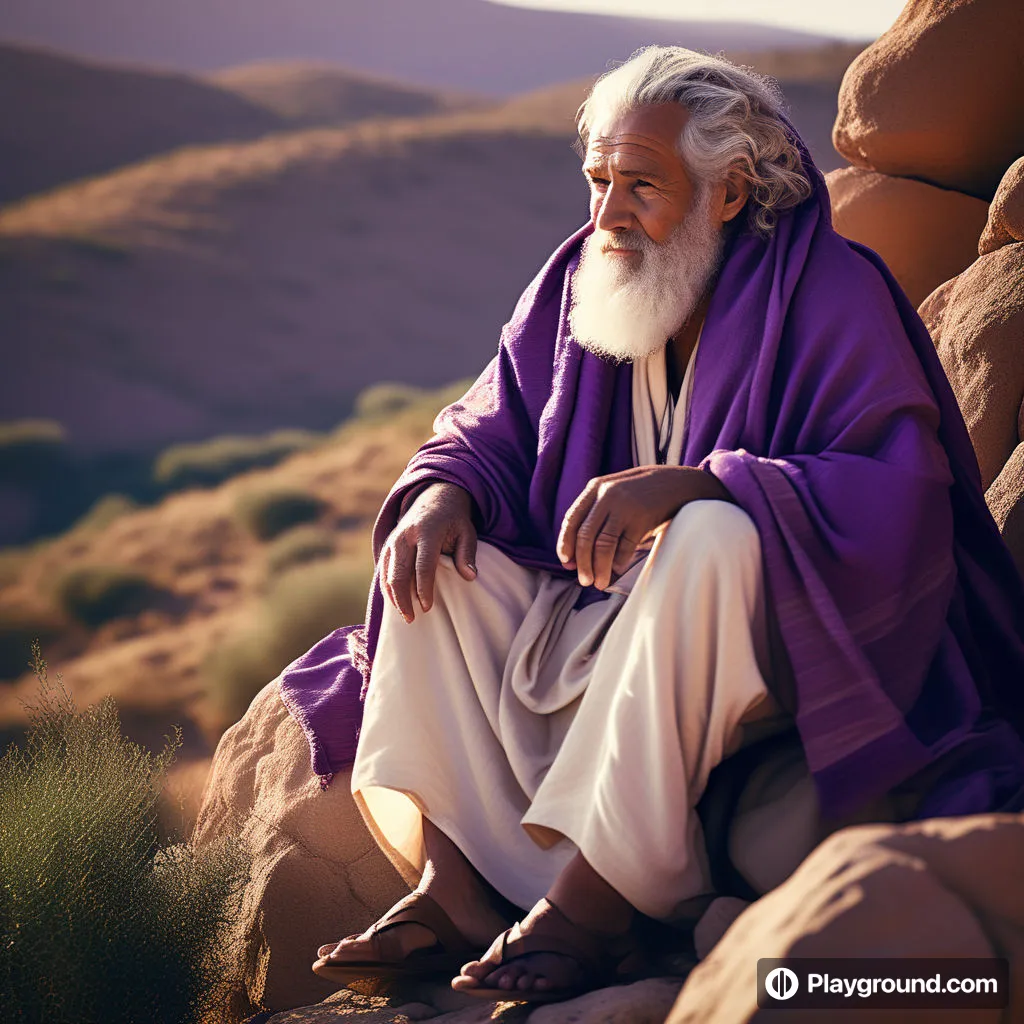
(878, 890)
(940, 96)
(926, 235)
(317, 873)
(977, 323)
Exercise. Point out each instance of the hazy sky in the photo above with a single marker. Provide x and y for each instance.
(851, 19)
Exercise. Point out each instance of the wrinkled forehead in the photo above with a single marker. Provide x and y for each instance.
(648, 134)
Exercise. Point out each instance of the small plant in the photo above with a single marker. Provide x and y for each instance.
(209, 463)
(98, 922)
(299, 546)
(94, 594)
(267, 513)
(301, 606)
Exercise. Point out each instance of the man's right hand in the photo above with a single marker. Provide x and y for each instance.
(439, 521)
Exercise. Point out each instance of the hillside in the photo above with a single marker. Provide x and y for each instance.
(64, 118)
(248, 286)
(461, 44)
(305, 93)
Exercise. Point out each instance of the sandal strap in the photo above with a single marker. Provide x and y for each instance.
(418, 908)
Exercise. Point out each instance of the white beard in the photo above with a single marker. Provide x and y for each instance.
(625, 312)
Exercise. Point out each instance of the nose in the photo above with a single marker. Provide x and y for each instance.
(612, 212)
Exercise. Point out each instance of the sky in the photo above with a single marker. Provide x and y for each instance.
(847, 19)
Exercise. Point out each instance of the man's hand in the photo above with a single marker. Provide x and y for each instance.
(439, 521)
(606, 523)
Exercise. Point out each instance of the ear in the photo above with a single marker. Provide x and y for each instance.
(736, 191)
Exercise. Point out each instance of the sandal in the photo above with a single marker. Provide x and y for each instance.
(598, 957)
(389, 961)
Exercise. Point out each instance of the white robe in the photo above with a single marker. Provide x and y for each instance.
(526, 729)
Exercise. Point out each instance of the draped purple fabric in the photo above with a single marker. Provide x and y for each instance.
(819, 402)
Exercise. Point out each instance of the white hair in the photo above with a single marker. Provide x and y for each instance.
(735, 121)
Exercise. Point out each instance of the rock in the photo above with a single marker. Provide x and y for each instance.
(317, 873)
(926, 235)
(1005, 499)
(1006, 214)
(948, 887)
(939, 96)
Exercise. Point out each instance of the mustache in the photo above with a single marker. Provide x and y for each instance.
(634, 241)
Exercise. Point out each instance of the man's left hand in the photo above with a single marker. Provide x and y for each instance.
(615, 513)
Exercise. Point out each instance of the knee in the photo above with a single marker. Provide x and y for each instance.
(714, 535)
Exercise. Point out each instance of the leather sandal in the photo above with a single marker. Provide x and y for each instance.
(389, 961)
(598, 957)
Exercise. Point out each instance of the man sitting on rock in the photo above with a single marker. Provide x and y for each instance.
(712, 487)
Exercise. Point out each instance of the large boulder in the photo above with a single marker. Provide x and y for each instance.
(940, 96)
(949, 887)
(317, 873)
(926, 235)
(977, 323)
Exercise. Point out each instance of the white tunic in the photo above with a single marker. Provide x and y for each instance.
(526, 729)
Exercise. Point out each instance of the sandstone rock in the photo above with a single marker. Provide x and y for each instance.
(1005, 499)
(940, 96)
(317, 873)
(926, 235)
(942, 888)
(1006, 214)
(977, 323)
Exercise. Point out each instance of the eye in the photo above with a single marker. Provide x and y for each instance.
(643, 184)
(597, 181)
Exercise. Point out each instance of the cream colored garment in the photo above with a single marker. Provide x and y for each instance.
(525, 729)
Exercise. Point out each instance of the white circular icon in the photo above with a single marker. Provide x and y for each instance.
(782, 983)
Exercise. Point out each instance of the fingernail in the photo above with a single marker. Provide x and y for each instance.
(472, 568)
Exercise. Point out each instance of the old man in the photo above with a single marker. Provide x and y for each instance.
(713, 487)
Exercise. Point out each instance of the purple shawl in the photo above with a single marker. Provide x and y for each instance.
(819, 402)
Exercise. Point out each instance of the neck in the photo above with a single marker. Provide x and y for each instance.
(682, 343)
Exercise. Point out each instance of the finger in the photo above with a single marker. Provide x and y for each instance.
(606, 544)
(624, 554)
(400, 578)
(574, 518)
(586, 537)
(385, 585)
(465, 552)
(428, 552)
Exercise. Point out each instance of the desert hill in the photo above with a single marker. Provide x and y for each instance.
(307, 93)
(474, 45)
(253, 285)
(64, 118)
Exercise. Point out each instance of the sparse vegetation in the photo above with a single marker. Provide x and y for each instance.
(99, 922)
(94, 594)
(105, 510)
(386, 398)
(209, 463)
(265, 513)
(301, 607)
(299, 546)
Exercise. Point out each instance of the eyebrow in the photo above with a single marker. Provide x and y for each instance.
(600, 168)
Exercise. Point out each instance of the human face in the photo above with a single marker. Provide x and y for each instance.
(637, 178)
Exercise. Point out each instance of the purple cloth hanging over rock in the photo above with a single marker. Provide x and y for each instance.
(818, 400)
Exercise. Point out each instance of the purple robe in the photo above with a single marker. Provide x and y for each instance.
(818, 400)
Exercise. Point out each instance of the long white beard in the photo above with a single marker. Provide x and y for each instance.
(625, 312)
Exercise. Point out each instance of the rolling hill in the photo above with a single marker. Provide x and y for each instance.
(474, 45)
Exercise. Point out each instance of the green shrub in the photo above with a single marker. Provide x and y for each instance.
(299, 546)
(386, 398)
(19, 627)
(209, 463)
(94, 594)
(301, 607)
(267, 513)
(104, 511)
(98, 922)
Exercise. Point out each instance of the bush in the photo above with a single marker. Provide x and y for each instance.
(300, 546)
(209, 463)
(19, 627)
(387, 398)
(267, 513)
(301, 607)
(104, 511)
(94, 594)
(99, 923)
